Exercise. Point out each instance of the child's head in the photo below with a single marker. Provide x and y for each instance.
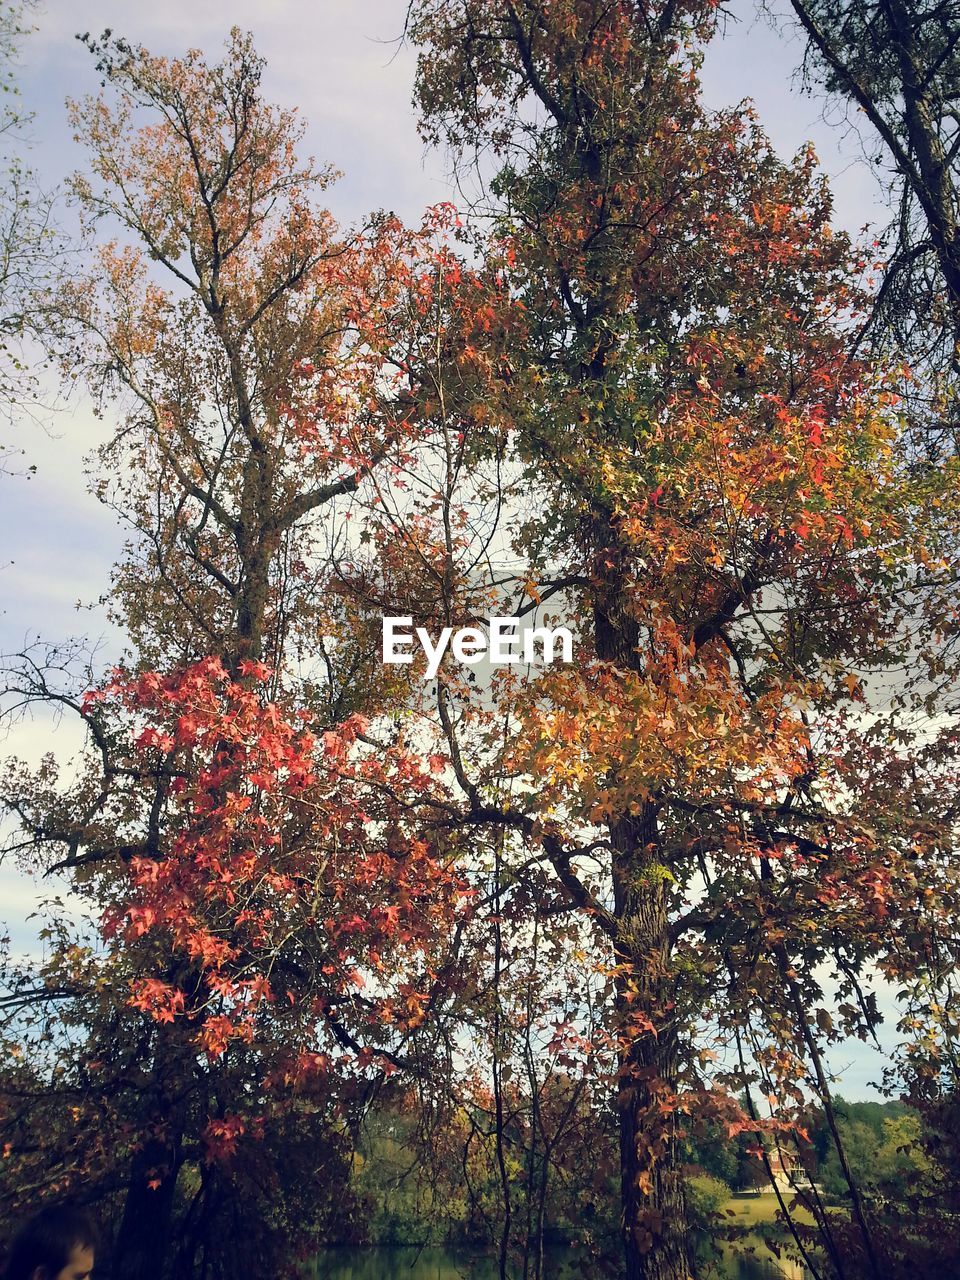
(58, 1243)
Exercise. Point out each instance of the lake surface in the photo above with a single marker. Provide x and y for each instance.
(437, 1264)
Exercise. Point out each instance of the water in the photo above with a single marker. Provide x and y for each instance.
(436, 1264)
(401, 1264)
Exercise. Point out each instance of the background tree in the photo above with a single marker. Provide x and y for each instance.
(894, 65)
(31, 249)
(897, 63)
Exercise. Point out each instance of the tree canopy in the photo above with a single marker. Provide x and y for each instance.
(636, 899)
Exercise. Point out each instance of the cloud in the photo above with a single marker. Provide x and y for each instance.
(338, 63)
(57, 542)
(21, 900)
(31, 738)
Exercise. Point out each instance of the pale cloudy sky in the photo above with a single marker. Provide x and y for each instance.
(342, 64)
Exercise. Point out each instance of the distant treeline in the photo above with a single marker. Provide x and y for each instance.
(403, 1195)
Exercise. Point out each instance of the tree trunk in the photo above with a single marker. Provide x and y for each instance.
(656, 1234)
(143, 1241)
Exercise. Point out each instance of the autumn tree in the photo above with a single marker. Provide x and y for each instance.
(244, 877)
(714, 500)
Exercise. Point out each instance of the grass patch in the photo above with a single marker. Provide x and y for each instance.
(753, 1211)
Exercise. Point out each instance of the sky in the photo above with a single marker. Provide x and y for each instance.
(343, 65)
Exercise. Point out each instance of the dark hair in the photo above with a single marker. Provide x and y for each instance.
(48, 1240)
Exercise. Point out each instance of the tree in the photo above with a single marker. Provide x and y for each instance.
(31, 255)
(244, 876)
(713, 498)
(898, 62)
